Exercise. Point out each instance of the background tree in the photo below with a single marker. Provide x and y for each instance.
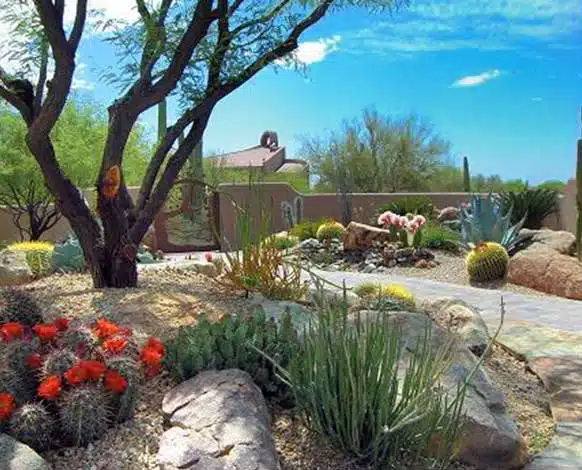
(79, 136)
(380, 153)
(200, 51)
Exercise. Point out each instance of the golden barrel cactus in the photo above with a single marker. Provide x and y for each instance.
(487, 261)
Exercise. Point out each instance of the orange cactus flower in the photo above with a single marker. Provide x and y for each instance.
(94, 369)
(6, 406)
(115, 345)
(106, 328)
(76, 375)
(115, 382)
(156, 345)
(111, 182)
(62, 323)
(10, 331)
(150, 357)
(34, 361)
(50, 388)
(45, 332)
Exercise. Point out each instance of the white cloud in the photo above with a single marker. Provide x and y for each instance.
(311, 52)
(475, 80)
(442, 25)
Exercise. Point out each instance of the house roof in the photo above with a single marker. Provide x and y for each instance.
(292, 167)
(251, 157)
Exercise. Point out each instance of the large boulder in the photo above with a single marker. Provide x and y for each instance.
(219, 421)
(561, 241)
(490, 437)
(14, 455)
(449, 214)
(362, 236)
(14, 268)
(547, 270)
(460, 318)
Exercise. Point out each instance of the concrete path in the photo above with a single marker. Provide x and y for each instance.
(547, 331)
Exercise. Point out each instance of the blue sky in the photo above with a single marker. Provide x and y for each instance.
(501, 79)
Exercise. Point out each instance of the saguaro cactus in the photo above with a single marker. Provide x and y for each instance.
(579, 197)
(466, 176)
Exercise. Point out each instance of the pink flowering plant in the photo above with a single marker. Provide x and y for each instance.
(407, 229)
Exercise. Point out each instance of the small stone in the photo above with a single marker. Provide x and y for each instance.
(14, 268)
(15, 455)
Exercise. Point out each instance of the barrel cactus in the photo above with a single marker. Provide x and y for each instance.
(13, 383)
(330, 230)
(84, 413)
(33, 425)
(487, 261)
(79, 339)
(58, 361)
(19, 306)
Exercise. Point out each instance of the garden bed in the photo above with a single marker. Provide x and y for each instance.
(167, 299)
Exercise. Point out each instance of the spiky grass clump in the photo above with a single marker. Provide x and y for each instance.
(330, 230)
(33, 425)
(58, 361)
(84, 414)
(19, 306)
(367, 289)
(487, 261)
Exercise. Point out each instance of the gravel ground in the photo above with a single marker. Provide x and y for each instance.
(167, 299)
(452, 269)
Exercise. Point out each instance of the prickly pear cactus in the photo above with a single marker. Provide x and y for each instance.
(84, 413)
(33, 425)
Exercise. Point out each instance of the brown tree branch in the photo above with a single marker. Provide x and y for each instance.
(79, 25)
(42, 75)
(263, 19)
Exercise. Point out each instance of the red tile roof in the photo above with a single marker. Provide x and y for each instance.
(253, 157)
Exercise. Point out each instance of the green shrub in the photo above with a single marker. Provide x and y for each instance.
(280, 243)
(533, 204)
(233, 343)
(436, 237)
(421, 205)
(306, 229)
(351, 383)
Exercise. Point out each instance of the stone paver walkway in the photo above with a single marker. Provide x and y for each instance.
(546, 331)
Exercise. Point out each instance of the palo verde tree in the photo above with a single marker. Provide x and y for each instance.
(200, 51)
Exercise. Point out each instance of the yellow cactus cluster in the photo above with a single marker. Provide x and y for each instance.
(488, 261)
(32, 246)
(330, 230)
(393, 291)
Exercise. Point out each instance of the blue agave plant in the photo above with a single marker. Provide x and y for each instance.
(483, 221)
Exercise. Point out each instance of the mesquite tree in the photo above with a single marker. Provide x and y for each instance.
(200, 51)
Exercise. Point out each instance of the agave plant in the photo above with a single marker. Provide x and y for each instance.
(485, 220)
(535, 204)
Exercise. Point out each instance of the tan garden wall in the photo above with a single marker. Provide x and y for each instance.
(317, 206)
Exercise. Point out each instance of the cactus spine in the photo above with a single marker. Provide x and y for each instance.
(84, 413)
(19, 306)
(466, 176)
(58, 361)
(33, 425)
(123, 405)
(487, 261)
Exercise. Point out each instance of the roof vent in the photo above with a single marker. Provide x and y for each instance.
(270, 140)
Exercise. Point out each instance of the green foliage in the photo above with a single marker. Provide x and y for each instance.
(280, 243)
(357, 384)
(376, 153)
(487, 262)
(307, 229)
(233, 343)
(436, 237)
(554, 185)
(84, 414)
(484, 221)
(330, 230)
(33, 425)
(68, 257)
(421, 205)
(19, 306)
(532, 204)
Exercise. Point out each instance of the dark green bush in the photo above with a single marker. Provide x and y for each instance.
(280, 243)
(436, 237)
(421, 205)
(235, 342)
(533, 204)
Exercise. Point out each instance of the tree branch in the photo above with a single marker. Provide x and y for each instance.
(263, 19)
(42, 74)
(79, 25)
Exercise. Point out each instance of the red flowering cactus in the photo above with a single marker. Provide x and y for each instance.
(6, 406)
(88, 389)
